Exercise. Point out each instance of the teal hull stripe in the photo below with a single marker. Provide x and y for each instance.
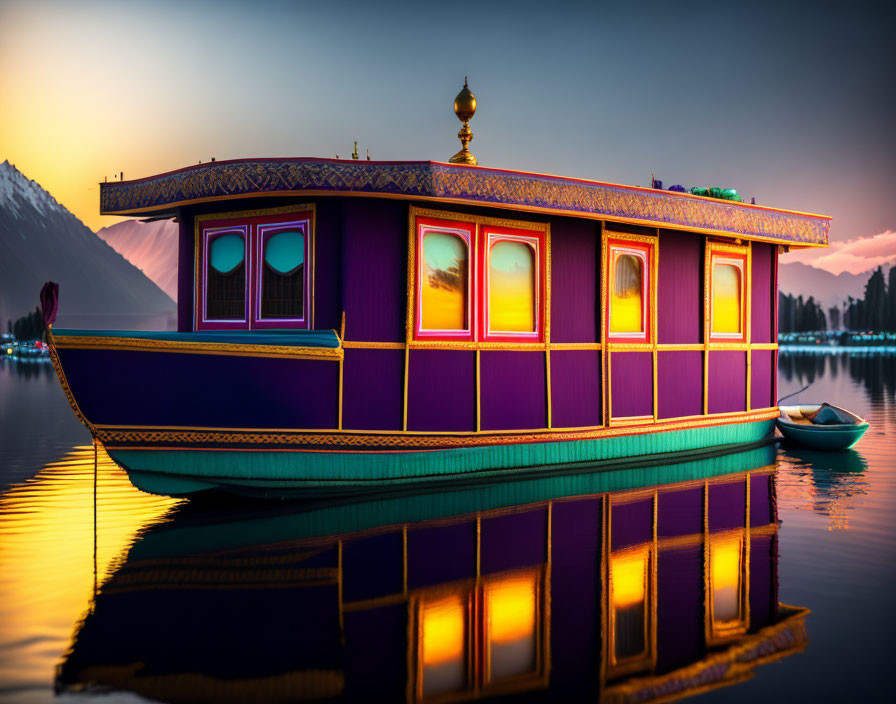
(322, 468)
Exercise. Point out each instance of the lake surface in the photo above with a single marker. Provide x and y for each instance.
(766, 574)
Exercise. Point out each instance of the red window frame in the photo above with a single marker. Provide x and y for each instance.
(478, 237)
(467, 232)
(740, 259)
(254, 229)
(644, 251)
(492, 234)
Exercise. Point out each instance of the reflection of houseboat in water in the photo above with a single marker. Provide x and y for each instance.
(557, 588)
(348, 324)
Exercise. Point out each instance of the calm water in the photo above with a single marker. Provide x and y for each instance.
(493, 592)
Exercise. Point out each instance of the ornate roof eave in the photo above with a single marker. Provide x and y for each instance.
(459, 184)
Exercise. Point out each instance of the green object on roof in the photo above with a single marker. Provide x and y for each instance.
(720, 193)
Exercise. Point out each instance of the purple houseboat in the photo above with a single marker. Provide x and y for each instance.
(350, 324)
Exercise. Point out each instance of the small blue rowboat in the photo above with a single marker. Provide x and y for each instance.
(821, 426)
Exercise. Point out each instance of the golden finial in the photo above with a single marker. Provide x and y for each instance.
(355, 154)
(464, 108)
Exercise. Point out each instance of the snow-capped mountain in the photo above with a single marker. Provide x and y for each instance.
(40, 240)
(150, 246)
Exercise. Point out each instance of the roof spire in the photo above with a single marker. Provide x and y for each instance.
(464, 108)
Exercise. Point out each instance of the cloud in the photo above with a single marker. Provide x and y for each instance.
(855, 256)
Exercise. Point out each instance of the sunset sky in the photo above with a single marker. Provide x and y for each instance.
(792, 106)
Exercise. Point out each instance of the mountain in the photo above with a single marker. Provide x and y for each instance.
(150, 246)
(40, 240)
(830, 290)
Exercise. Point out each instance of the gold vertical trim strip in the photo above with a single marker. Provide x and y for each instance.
(547, 373)
(748, 293)
(654, 285)
(654, 568)
(747, 540)
(478, 396)
(707, 588)
(605, 352)
(339, 424)
(707, 256)
(404, 398)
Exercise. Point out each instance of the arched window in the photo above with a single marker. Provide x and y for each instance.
(727, 297)
(628, 289)
(511, 286)
(445, 282)
(225, 275)
(282, 275)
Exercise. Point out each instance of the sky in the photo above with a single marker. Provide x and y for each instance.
(790, 103)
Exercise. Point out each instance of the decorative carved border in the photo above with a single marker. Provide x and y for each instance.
(450, 183)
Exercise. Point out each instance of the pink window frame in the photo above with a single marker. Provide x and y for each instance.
(740, 262)
(467, 232)
(208, 236)
(490, 236)
(261, 231)
(644, 253)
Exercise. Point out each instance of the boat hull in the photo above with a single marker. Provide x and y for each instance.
(822, 437)
(276, 472)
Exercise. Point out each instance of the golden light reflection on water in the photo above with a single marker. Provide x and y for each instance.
(53, 550)
(726, 561)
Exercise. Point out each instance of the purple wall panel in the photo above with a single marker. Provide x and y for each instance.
(631, 384)
(727, 505)
(328, 266)
(442, 390)
(679, 384)
(514, 540)
(680, 289)
(575, 388)
(761, 509)
(762, 296)
(575, 301)
(761, 381)
(762, 587)
(632, 524)
(372, 389)
(679, 513)
(679, 611)
(206, 391)
(372, 567)
(439, 554)
(374, 269)
(727, 381)
(185, 268)
(575, 591)
(512, 390)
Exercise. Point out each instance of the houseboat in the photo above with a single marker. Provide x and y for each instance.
(346, 325)
(556, 589)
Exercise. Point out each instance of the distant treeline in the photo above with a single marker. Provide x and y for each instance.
(875, 311)
(797, 315)
(28, 327)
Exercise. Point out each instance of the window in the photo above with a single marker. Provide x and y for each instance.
(629, 264)
(476, 281)
(444, 305)
(254, 271)
(726, 568)
(727, 266)
(490, 635)
(629, 609)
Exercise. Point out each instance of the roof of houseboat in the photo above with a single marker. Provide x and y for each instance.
(434, 181)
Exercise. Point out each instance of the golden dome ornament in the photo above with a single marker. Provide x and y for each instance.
(464, 108)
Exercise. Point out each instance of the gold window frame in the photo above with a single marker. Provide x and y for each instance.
(644, 660)
(720, 633)
(718, 250)
(475, 293)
